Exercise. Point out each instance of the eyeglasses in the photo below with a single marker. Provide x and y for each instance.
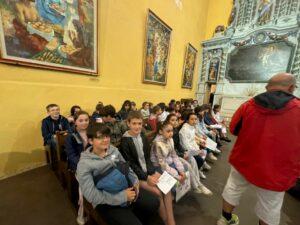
(102, 137)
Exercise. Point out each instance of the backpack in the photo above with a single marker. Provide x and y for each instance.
(115, 179)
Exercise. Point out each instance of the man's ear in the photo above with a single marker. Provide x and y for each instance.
(90, 140)
(291, 89)
(267, 87)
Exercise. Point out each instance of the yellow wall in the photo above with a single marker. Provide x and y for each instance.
(25, 91)
(218, 14)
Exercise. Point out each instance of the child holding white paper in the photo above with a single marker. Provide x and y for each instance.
(187, 160)
(136, 149)
(163, 153)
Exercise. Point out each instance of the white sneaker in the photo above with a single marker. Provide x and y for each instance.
(201, 174)
(206, 166)
(80, 220)
(217, 151)
(204, 190)
(211, 157)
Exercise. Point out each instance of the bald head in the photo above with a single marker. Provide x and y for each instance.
(282, 82)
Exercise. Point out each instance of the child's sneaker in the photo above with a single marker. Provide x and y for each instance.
(81, 220)
(203, 190)
(234, 220)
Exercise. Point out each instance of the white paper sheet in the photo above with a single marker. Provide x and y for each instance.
(182, 189)
(210, 144)
(166, 182)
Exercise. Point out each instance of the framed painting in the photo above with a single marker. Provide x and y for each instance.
(52, 34)
(157, 48)
(213, 71)
(258, 63)
(189, 66)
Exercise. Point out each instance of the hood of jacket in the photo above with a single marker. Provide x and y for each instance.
(94, 162)
(273, 101)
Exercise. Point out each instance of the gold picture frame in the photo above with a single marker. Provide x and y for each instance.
(157, 49)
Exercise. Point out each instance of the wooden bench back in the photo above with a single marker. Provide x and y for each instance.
(60, 142)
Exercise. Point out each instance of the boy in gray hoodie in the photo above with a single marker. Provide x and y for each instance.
(97, 160)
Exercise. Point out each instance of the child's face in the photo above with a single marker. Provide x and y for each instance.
(159, 112)
(77, 110)
(202, 112)
(177, 107)
(127, 107)
(193, 120)
(133, 107)
(167, 131)
(82, 122)
(217, 109)
(100, 143)
(54, 112)
(146, 107)
(174, 121)
(135, 126)
(107, 119)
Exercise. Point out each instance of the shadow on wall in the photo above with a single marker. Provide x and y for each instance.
(17, 162)
(26, 153)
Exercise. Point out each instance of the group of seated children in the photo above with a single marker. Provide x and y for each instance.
(118, 168)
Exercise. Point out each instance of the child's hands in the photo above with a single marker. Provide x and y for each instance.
(136, 187)
(157, 175)
(182, 177)
(202, 153)
(186, 156)
(152, 180)
(130, 194)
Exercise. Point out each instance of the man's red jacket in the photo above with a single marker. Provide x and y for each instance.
(267, 150)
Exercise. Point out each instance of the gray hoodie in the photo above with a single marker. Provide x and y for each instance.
(91, 165)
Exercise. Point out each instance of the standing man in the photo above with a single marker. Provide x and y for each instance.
(266, 154)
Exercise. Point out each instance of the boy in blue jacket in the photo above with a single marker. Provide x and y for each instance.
(52, 123)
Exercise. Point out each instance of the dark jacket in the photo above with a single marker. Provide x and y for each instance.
(122, 114)
(50, 126)
(178, 148)
(129, 152)
(207, 119)
(74, 146)
(117, 129)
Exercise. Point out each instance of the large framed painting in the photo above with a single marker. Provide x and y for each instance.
(52, 34)
(157, 48)
(189, 66)
(258, 63)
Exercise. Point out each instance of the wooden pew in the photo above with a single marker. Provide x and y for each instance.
(61, 165)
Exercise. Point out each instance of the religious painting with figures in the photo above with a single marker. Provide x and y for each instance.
(257, 63)
(189, 66)
(53, 34)
(157, 48)
(213, 71)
